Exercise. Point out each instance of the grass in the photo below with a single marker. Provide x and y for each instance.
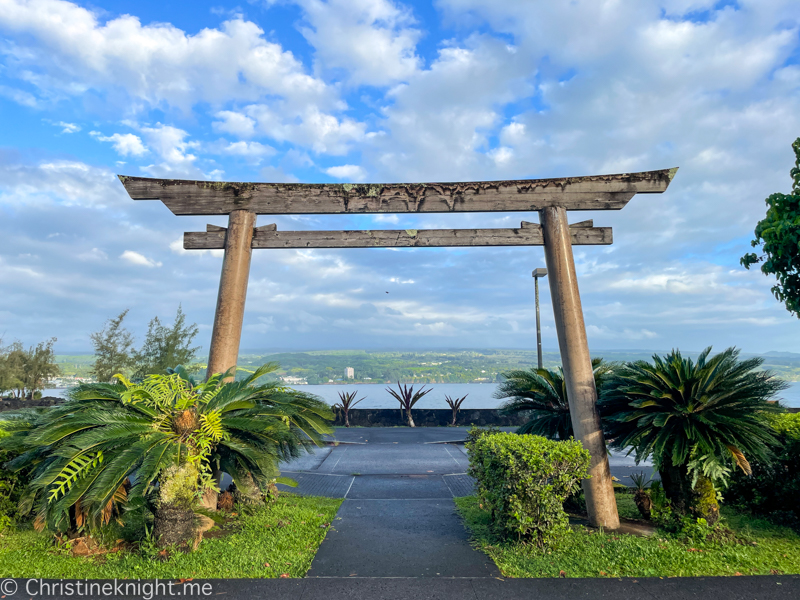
(281, 538)
(767, 549)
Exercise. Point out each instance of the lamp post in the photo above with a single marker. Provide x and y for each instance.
(537, 273)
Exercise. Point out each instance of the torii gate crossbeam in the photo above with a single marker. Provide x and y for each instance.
(552, 198)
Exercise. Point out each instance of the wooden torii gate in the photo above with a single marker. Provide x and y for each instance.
(552, 198)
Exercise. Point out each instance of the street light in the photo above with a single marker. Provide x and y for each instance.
(537, 273)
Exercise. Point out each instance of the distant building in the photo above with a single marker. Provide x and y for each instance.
(349, 373)
(294, 380)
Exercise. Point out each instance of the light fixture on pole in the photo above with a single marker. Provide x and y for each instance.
(537, 273)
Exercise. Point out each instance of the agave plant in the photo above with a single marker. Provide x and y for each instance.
(455, 406)
(407, 398)
(543, 392)
(346, 402)
(697, 420)
(164, 436)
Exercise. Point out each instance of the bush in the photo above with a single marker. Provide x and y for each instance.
(774, 486)
(11, 486)
(523, 481)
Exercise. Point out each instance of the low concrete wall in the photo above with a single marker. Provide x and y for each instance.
(428, 417)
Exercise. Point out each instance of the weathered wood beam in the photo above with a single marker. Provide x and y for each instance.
(530, 235)
(596, 192)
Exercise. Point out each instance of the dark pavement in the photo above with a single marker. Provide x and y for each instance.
(780, 587)
(398, 518)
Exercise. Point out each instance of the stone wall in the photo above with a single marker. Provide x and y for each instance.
(427, 417)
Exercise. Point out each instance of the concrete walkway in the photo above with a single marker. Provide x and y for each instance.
(398, 518)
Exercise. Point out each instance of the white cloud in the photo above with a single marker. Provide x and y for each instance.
(251, 150)
(67, 182)
(19, 96)
(138, 259)
(348, 172)
(64, 48)
(126, 144)
(370, 40)
(170, 144)
(235, 123)
(305, 126)
(68, 127)
(177, 247)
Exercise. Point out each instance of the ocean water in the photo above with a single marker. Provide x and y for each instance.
(479, 395)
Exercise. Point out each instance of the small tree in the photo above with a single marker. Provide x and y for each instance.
(778, 233)
(408, 398)
(10, 369)
(40, 366)
(113, 349)
(166, 346)
(346, 402)
(26, 372)
(697, 420)
(455, 406)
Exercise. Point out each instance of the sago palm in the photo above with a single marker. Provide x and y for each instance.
(697, 420)
(543, 392)
(164, 436)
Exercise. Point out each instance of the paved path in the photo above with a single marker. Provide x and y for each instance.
(398, 518)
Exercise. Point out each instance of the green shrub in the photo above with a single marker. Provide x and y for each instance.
(11, 486)
(523, 481)
(774, 487)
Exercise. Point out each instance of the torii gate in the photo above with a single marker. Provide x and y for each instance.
(552, 198)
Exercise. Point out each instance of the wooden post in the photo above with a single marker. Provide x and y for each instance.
(227, 333)
(581, 392)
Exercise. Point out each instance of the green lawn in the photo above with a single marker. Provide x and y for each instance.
(768, 550)
(285, 535)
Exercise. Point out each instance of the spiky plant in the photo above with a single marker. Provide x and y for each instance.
(346, 402)
(697, 420)
(641, 496)
(407, 398)
(164, 435)
(455, 406)
(543, 392)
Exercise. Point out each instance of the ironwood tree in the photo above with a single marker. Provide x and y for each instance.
(165, 347)
(778, 234)
(113, 349)
(25, 372)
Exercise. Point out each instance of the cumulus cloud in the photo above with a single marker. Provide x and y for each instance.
(126, 144)
(139, 259)
(67, 48)
(372, 41)
(348, 172)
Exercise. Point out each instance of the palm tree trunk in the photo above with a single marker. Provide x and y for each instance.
(211, 497)
(410, 418)
(699, 501)
(173, 525)
(677, 484)
(347, 418)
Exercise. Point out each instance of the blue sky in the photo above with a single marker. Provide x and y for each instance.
(385, 91)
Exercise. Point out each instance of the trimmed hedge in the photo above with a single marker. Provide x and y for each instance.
(523, 481)
(774, 488)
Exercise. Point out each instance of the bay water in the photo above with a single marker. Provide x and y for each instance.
(479, 395)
